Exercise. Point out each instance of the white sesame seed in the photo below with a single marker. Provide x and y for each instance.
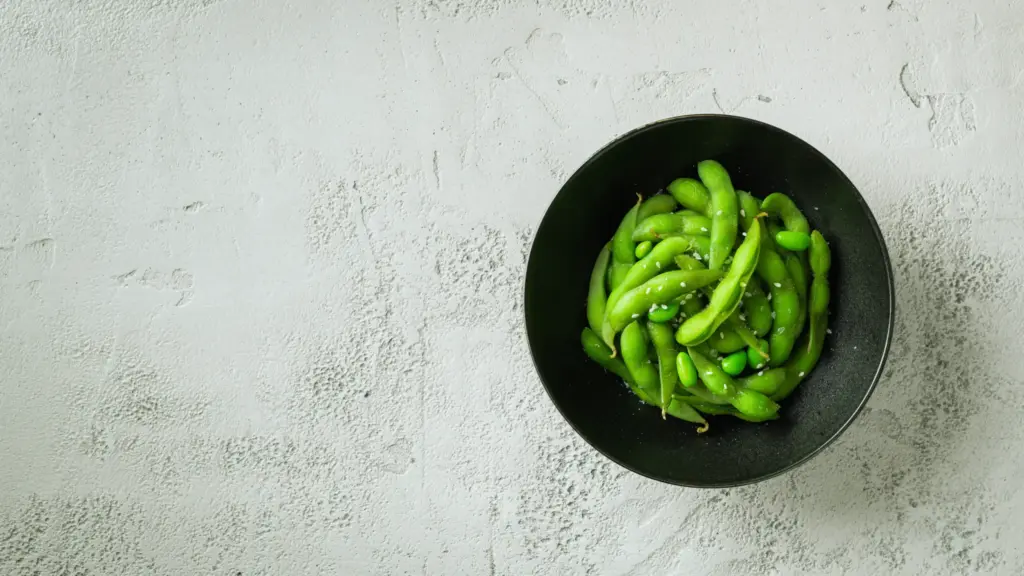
(689, 296)
(743, 213)
(761, 373)
(773, 314)
(815, 207)
(854, 347)
(769, 296)
(708, 373)
(636, 315)
(696, 255)
(645, 264)
(719, 213)
(682, 284)
(782, 329)
(664, 306)
(648, 291)
(743, 318)
(744, 234)
(658, 264)
(777, 285)
(659, 288)
(828, 331)
(703, 229)
(802, 374)
(721, 335)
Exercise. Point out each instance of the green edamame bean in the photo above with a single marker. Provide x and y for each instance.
(643, 249)
(691, 194)
(792, 241)
(726, 296)
(623, 248)
(735, 363)
(755, 355)
(665, 347)
(685, 370)
(602, 354)
(657, 204)
(780, 205)
(765, 381)
(659, 226)
(724, 211)
(635, 355)
(785, 303)
(661, 258)
(757, 308)
(662, 289)
(799, 273)
(750, 207)
(596, 295)
(809, 351)
(663, 312)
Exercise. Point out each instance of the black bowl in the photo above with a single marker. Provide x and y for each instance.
(583, 216)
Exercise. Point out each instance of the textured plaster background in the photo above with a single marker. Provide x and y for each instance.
(261, 262)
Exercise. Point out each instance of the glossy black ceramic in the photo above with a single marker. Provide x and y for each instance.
(583, 216)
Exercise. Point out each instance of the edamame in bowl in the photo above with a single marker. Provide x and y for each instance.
(709, 301)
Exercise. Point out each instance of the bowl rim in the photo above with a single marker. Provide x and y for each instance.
(890, 285)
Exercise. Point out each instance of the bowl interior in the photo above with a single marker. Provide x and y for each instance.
(583, 216)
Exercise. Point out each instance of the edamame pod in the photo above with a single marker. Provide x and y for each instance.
(757, 308)
(724, 211)
(750, 207)
(623, 248)
(691, 194)
(602, 354)
(726, 296)
(660, 226)
(665, 347)
(785, 303)
(596, 295)
(809, 351)
(657, 204)
(780, 205)
(634, 354)
(661, 289)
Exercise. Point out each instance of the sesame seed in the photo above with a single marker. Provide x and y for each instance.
(828, 331)
(659, 288)
(708, 373)
(773, 314)
(658, 264)
(648, 291)
(815, 208)
(689, 296)
(682, 284)
(802, 374)
(721, 335)
(854, 347)
(782, 329)
(769, 296)
(696, 255)
(743, 213)
(743, 318)
(719, 213)
(664, 307)
(761, 373)
(703, 229)
(777, 285)
(636, 315)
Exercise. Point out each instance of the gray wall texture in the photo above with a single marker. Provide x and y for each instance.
(261, 267)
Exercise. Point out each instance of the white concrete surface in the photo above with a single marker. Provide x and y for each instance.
(260, 269)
